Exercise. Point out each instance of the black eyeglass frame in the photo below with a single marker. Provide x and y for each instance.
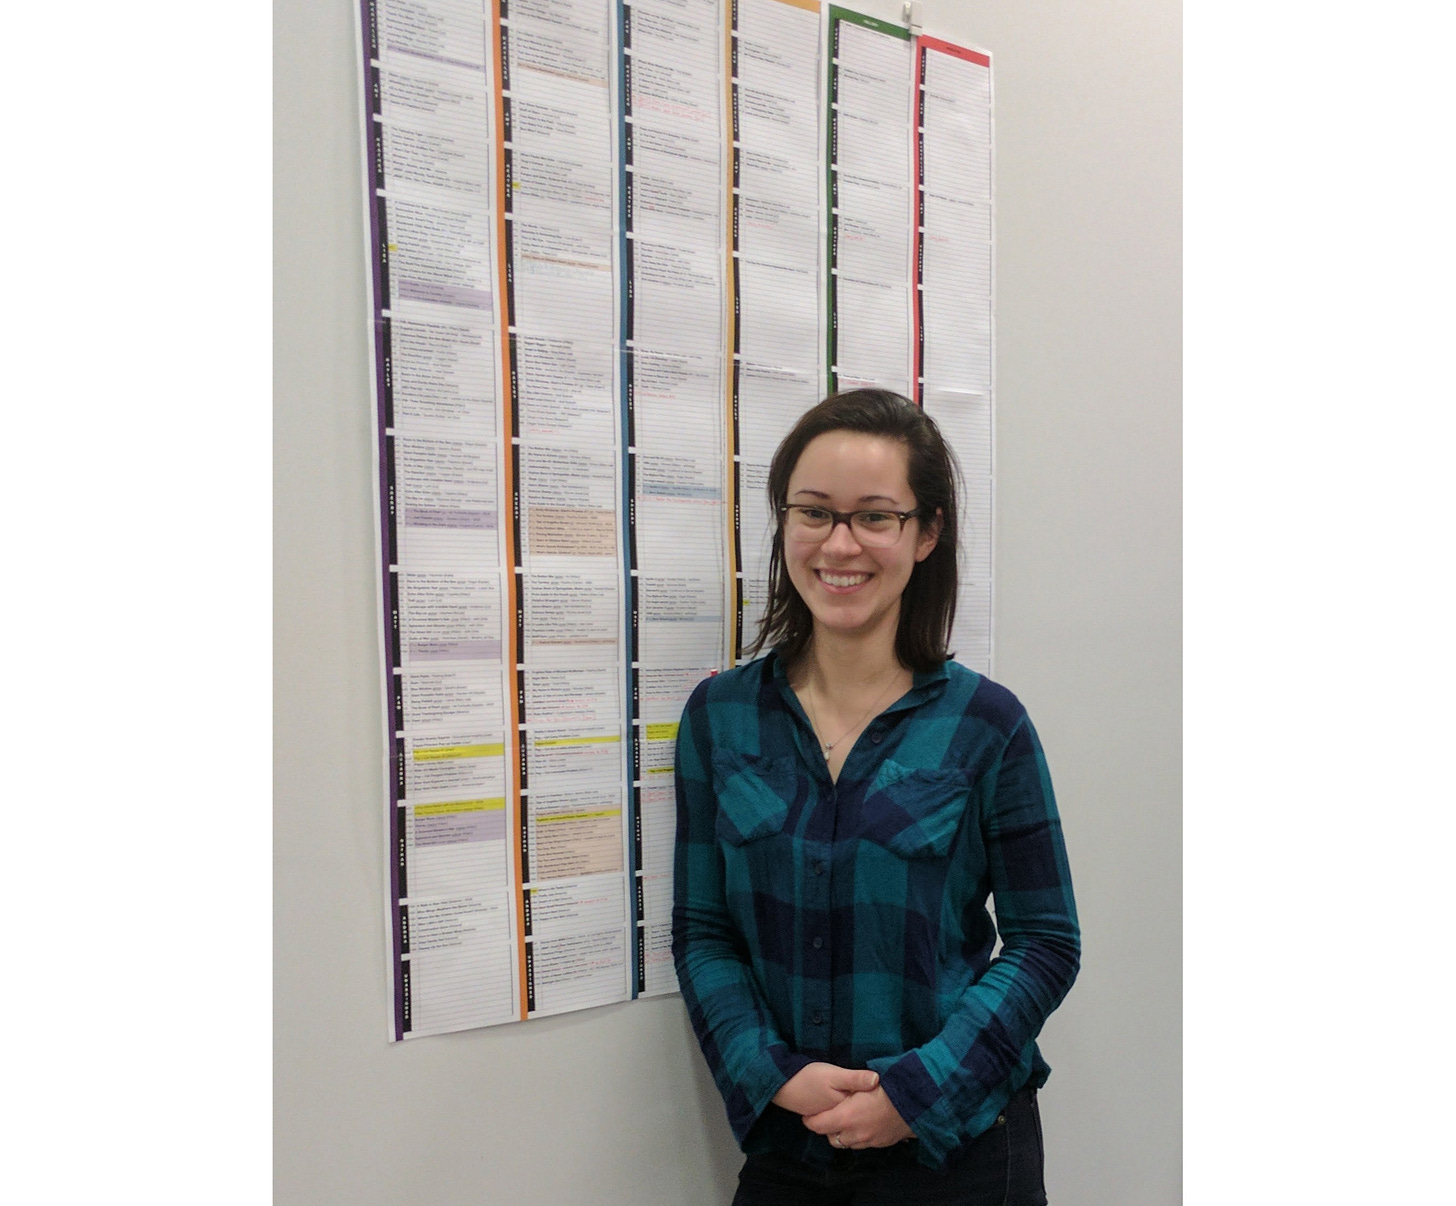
(847, 517)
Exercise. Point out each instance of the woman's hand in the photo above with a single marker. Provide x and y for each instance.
(865, 1119)
(817, 1087)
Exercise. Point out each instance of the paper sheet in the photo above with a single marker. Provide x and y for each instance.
(778, 332)
(954, 346)
(674, 339)
(871, 103)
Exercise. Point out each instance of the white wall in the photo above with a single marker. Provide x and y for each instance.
(612, 1105)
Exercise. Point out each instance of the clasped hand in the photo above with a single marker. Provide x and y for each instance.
(846, 1104)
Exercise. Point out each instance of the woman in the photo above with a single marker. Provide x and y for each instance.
(846, 804)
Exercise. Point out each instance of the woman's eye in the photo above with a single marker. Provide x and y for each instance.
(877, 519)
(814, 514)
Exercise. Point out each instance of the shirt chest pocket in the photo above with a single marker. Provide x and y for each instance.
(753, 795)
(916, 813)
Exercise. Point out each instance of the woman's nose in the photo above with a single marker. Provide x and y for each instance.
(842, 540)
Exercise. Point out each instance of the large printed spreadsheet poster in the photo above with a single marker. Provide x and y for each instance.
(616, 248)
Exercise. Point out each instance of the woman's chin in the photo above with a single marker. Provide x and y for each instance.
(848, 618)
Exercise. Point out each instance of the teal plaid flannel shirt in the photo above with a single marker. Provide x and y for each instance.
(847, 922)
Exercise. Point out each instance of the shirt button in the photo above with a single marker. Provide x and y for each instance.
(817, 1019)
(818, 942)
(818, 867)
(876, 738)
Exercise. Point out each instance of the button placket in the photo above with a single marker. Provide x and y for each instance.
(816, 890)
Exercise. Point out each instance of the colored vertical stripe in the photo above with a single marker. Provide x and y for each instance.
(917, 247)
(389, 579)
(511, 531)
(629, 452)
(732, 376)
(831, 171)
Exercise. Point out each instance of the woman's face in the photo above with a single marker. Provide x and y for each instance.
(848, 588)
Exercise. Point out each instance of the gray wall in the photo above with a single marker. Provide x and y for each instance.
(611, 1105)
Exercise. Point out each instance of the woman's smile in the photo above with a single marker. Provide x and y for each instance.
(840, 582)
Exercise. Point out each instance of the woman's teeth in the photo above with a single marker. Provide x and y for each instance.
(843, 579)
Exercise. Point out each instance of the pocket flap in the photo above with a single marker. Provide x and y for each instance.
(916, 812)
(753, 795)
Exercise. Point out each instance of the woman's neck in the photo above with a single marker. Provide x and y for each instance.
(839, 666)
(843, 684)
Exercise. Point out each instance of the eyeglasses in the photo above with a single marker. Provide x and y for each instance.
(873, 529)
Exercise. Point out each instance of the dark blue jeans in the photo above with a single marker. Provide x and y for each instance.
(1002, 1167)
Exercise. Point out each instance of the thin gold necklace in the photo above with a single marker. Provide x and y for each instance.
(814, 722)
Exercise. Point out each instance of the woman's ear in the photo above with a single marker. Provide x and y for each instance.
(929, 536)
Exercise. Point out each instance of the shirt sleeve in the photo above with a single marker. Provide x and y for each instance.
(749, 1061)
(949, 1089)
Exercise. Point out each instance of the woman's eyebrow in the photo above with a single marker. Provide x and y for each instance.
(864, 498)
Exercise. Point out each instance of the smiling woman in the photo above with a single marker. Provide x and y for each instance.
(847, 806)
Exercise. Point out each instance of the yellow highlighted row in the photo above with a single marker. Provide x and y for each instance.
(435, 810)
(544, 742)
(436, 753)
(579, 816)
(662, 732)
